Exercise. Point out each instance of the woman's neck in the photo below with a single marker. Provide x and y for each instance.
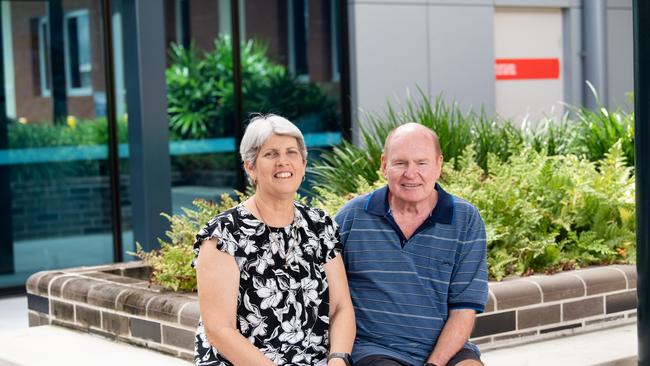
(273, 211)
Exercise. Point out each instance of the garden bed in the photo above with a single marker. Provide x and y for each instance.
(118, 302)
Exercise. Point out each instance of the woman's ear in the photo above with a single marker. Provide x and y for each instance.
(249, 170)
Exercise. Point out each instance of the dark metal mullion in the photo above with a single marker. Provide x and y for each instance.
(57, 59)
(344, 64)
(113, 157)
(641, 15)
(237, 85)
(6, 229)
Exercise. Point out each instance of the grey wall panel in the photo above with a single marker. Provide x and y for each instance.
(461, 46)
(620, 73)
(572, 68)
(389, 51)
(535, 3)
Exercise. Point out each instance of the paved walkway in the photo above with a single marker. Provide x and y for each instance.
(23, 346)
(612, 347)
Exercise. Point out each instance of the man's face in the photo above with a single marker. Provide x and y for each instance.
(411, 165)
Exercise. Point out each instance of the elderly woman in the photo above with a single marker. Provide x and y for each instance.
(272, 286)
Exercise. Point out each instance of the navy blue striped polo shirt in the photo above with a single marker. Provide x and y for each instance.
(402, 289)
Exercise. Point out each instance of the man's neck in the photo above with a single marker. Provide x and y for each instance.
(413, 209)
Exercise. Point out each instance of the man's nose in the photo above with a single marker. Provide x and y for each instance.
(411, 170)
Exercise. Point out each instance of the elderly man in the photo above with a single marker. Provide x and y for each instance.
(416, 261)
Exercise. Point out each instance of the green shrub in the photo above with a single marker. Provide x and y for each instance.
(456, 130)
(542, 214)
(200, 90)
(171, 263)
(546, 213)
(583, 132)
(75, 133)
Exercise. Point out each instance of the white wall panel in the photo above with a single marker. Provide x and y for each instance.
(389, 52)
(462, 55)
(528, 33)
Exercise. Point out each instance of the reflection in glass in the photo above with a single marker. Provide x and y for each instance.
(55, 167)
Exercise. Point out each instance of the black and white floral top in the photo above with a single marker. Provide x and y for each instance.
(283, 301)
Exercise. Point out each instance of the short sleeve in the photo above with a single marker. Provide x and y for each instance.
(328, 234)
(469, 286)
(220, 227)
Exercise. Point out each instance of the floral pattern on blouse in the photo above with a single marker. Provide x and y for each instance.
(283, 300)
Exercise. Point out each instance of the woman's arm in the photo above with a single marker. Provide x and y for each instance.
(342, 324)
(217, 277)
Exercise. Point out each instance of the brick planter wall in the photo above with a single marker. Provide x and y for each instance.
(117, 302)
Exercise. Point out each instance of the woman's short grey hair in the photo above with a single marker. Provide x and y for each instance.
(260, 129)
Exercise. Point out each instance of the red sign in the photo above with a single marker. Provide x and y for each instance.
(526, 68)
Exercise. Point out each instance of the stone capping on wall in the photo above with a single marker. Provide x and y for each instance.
(118, 302)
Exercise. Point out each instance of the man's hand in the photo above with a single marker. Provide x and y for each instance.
(454, 334)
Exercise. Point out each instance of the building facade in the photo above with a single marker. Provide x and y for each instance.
(113, 111)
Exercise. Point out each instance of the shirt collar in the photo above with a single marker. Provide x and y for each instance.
(443, 212)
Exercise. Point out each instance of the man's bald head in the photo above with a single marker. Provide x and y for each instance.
(405, 131)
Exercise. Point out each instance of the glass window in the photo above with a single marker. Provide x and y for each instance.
(77, 51)
(78, 63)
(55, 210)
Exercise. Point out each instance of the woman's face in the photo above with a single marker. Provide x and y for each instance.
(279, 167)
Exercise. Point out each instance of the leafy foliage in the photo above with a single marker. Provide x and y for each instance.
(200, 89)
(584, 133)
(79, 133)
(546, 213)
(171, 264)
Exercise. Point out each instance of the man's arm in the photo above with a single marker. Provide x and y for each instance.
(454, 334)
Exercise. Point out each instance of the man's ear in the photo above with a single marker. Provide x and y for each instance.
(382, 167)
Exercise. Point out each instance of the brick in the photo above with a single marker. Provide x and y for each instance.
(32, 282)
(491, 324)
(62, 310)
(115, 324)
(33, 319)
(489, 306)
(77, 289)
(177, 337)
(133, 301)
(88, 317)
(518, 335)
(190, 314)
(620, 302)
(559, 287)
(605, 320)
(630, 273)
(145, 329)
(141, 272)
(44, 282)
(112, 277)
(38, 303)
(57, 284)
(582, 308)
(104, 295)
(560, 328)
(102, 333)
(166, 307)
(515, 293)
(602, 279)
(534, 317)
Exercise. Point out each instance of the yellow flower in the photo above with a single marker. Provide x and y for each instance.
(22, 120)
(72, 121)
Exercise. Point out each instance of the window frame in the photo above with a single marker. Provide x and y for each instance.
(84, 90)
